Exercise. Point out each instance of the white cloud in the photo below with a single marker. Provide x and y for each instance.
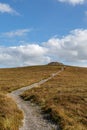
(23, 55)
(6, 8)
(70, 49)
(73, 2)
(19, 33)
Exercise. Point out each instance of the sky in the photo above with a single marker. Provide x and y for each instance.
(36, 32)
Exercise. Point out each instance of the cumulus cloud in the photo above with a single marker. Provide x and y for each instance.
(16, 33)
(70, 49)
(6, 8)
(23, 55)
(73, 2)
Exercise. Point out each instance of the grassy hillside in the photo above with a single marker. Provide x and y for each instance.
(64, 98)
(11, 79)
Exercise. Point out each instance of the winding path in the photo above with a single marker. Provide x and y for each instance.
(33, 120)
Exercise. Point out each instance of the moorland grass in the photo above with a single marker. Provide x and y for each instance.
(14, 78)
(10, 115)
(11, 79)
(64, 97)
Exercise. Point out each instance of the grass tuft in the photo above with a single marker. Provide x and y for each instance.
(10, 115)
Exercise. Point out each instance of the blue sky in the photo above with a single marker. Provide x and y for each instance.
(41, 31)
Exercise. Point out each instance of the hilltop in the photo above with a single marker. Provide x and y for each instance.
(55, 63)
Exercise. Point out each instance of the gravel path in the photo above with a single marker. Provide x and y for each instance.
(33, 119)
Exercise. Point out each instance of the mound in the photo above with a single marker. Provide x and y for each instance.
(55, 63)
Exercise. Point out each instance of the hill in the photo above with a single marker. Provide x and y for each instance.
(55, 63)
(14, 78)
(63, 98)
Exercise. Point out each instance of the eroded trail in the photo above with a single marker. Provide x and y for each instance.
(33, 119)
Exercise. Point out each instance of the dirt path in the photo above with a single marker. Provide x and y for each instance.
(33, 119)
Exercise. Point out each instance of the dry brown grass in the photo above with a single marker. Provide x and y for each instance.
(64, 98)
(11, 79)
(10, 115)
